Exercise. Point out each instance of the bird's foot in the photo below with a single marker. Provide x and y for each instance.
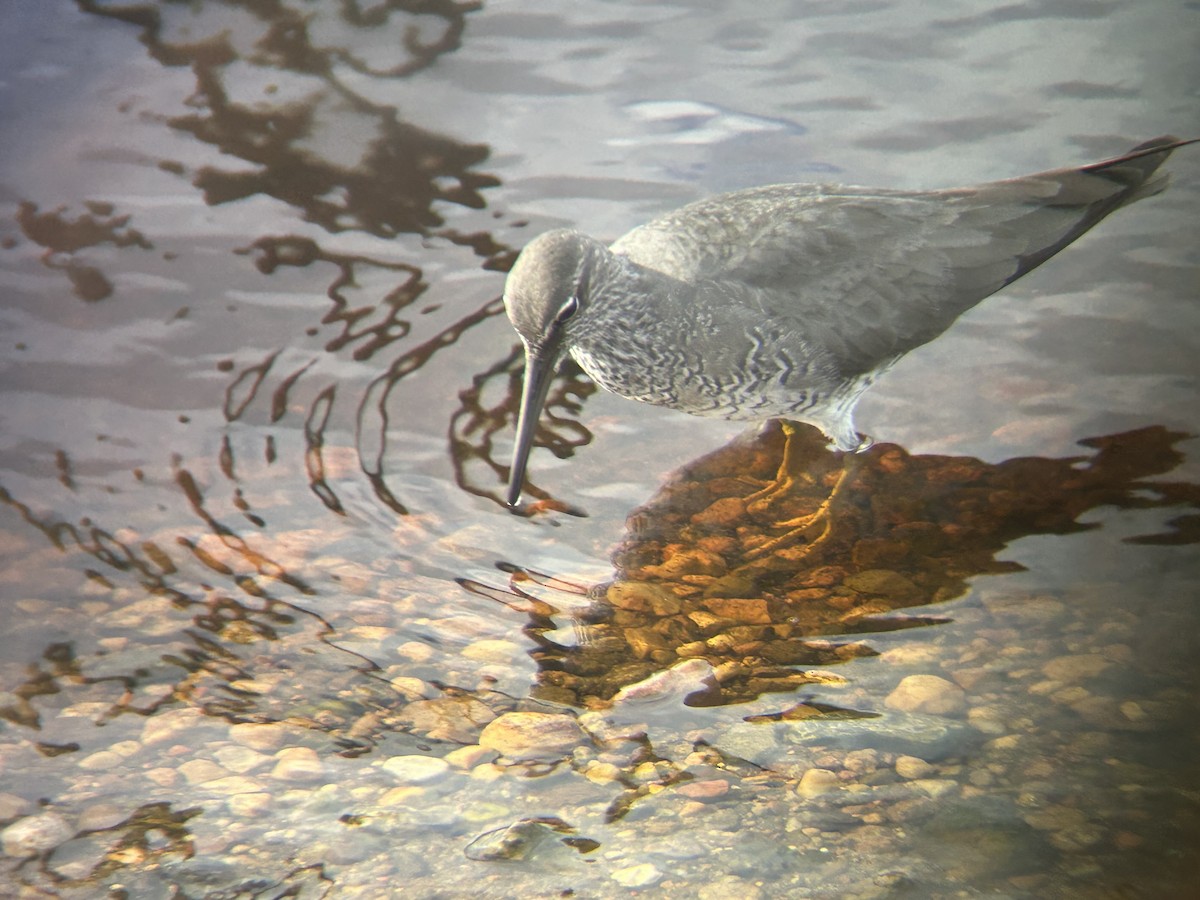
(762, 500)
(814, 529)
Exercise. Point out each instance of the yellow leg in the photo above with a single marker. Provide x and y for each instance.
(791, 465)
(805, 526)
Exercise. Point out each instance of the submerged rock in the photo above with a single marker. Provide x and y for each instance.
(529, 736)
(34, 835)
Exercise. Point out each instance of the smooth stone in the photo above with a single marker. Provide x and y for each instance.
(198, 771)
(909, 734)
(100, 816)
(258, 736)
(171, 725)
(100, 760)
(643, 596)
(929, 695)
(533, 735)
(1079, 667)
(240, 759)
(247, 805)
(298, 764)
(12, 806)
(416, 769)
(470, 756)
(233, 785)
(935, 787)
(512, 842)
(913, 767)
(493, 651)
(457, 719)
(641, 875)
(818, 781)
(34, 835)
(707, 790)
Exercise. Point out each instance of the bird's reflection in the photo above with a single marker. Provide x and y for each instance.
(903, 531)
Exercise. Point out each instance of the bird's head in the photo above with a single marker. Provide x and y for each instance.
(545, 296)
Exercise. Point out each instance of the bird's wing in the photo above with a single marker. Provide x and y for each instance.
(872, 274)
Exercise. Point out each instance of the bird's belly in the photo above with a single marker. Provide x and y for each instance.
(826, 403)
(693, 389)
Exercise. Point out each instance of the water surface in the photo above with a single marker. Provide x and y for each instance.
(260, 596)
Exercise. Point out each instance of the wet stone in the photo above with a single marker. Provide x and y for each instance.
(262, 737)
(249, 804)
(911, 767)
(641, 875)
(416, 769)
(100, 760)
(818, 781)
(198, 771)
(298, 764)
(515, 841)
(705, 791)
(927, 694)
(642, 596)
(99, 816)
(1076, 668)
(34, 835)
(12, 806)
(532, 735)
(457, 719)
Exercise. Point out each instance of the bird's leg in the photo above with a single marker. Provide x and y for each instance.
(806, 526)
(792, 465)
(799, 462)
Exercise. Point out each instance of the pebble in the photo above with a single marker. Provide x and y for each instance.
(1075, 668)
(912, 767)
(171, 725)
(233, 785)
(12, 806)
(416, 769)
(492, 651)
(100, 760)
(256, 736)
(198, 771)
(100, 816)
(250, 804)
(241, 759)
(533, 735)
(818, 781)
(470, 756)
(707, 790)
(34, 835)
(641, 875)
(298, 764)
(928, 694)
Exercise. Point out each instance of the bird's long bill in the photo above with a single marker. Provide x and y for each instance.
(539, 372)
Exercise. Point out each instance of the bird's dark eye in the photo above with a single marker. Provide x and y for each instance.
(567, 310)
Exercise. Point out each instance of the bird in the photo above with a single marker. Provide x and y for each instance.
(788, 301)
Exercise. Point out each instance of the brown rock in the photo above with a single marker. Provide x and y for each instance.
(882, 582)
(753, 611)
(722, 513)
(643, 596)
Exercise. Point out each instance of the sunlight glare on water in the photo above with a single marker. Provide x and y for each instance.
(267, 627)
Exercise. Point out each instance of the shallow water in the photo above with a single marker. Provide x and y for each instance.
(260, 595)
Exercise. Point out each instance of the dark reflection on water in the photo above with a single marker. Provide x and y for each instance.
(403, 172)
(906, 531)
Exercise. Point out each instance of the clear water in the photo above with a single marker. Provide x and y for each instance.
(257, 400)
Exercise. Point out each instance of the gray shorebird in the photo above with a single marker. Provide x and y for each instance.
(788, 301)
